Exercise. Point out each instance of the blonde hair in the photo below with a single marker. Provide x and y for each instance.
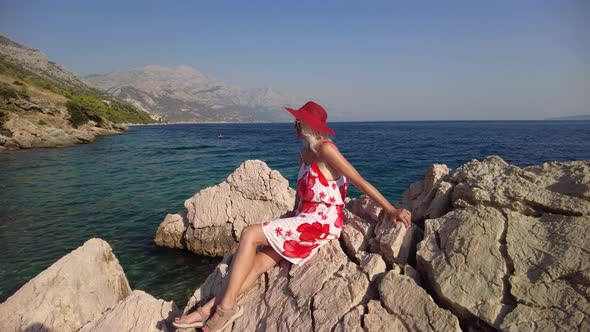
(311, 137)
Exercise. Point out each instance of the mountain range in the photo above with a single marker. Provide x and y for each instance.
(184, 94)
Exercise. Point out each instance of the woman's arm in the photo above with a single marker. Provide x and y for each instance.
(332, 156)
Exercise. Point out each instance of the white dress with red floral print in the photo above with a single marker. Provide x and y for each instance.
(317, 220)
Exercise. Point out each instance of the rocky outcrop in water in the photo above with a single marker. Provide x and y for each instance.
(74, 290)
(31, 117)
(214, 217)
(31, 131)
(86, 290)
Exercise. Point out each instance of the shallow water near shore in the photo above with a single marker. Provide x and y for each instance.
(121, 187)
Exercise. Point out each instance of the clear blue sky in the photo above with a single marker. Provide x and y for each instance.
(366, 60)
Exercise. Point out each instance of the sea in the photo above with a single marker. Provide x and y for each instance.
(121, 187)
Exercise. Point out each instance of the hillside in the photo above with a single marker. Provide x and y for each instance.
(42, 104)
(184, 94)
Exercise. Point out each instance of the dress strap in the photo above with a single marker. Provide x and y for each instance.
(316, 169)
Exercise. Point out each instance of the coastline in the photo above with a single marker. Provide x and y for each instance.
(369, 121)
(25, 135)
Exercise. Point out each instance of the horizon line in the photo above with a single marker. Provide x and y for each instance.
(359, 121)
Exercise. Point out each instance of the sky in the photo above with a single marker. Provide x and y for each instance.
(362, 60)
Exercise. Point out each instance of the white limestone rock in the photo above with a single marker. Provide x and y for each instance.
(171, 231)
(373, 265)
(395, 245)
(461, 256)
(430, 197)
(252, 194)
(139, 312)
(413, 306)
(513, 254)
(356, 233)
(377, 319)
(72, 291)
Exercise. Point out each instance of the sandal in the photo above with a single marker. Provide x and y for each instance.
(197, 324)
(226, 317)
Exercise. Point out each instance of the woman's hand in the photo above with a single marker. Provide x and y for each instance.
(402, 215)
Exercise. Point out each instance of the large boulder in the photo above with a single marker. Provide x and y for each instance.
(74, 290)
(215, 217)
(550, 272)
(511, 250)
(355, 235)
(396, 245)
(410, 304)
(171, 231)
(138, 312)
(462, 248)
(85, 291)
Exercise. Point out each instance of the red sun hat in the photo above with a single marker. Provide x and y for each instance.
(314, 116)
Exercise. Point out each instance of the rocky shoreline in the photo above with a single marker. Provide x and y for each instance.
(43, 105)
(41, 121)
(19, 133)
(495, 247)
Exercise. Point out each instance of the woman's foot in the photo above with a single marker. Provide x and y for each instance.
(222, 318)
(194, 319)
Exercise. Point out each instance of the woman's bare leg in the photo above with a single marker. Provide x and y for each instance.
(263, 261)
(242, 264)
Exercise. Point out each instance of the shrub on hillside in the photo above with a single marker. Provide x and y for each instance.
(99, 109)
(77, 115)
(24, 92)
(7, 92)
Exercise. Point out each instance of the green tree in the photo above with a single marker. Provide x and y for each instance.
(77, 115)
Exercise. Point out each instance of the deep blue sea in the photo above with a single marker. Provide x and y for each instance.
(120, 188)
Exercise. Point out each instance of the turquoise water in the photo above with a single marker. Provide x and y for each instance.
(121, 187)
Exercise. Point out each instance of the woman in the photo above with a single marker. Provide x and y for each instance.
(321, 189)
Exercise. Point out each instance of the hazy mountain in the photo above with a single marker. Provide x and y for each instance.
(572, 117)
(184, 94)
